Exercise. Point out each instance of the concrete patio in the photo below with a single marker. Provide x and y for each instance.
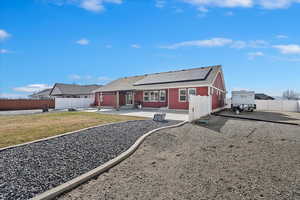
(180, 115)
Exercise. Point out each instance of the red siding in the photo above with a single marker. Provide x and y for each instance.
(219, 82)
(218, 97)
(122, 99)
(109, 99)
(138, 97)
(174, 98)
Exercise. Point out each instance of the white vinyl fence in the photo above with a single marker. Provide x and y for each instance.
(65, 103)
(199, 106)
(274, 105)
(278, 105)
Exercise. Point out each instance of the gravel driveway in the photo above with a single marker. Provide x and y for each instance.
(28, 170)
(228, 159)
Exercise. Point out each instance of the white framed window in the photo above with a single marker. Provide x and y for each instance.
(153, 96)
(146, 96)
(191, 92)
(182, 95)
(162, 95)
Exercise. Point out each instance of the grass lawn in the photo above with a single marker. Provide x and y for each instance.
(25, 128)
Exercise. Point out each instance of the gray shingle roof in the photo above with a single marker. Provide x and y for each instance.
(73, 89)
(173, 79)
(45, 93)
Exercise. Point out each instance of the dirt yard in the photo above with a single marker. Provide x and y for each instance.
(227, 159)
(17, 129)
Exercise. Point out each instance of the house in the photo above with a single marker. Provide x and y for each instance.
(61, 90)
(167, 89)
(44, 94)
(261, 96)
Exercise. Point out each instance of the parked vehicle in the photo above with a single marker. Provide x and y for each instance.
(243, 101)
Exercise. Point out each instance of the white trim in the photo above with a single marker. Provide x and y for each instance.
(192, 89)
(144, 96)
(218, 89)
(129, 93)
(186, 94)
(212, 84)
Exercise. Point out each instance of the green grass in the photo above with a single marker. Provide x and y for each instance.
(25, 128)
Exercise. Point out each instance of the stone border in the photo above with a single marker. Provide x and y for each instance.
(54, 192)
(60, 135)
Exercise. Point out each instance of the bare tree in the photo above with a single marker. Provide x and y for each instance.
(290, 95)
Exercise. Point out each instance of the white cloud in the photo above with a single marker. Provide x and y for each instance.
(83, 41)
(286, 59)
(4, 51)
(253, 55)
(220, 3)
(282, 36)
(220, 42)
(4, 35)
(136, 46)
(89, 5)
(202, 9)
(230, 13)
(160, 3)
(275, 4)
(103, 79)
(13, 96)
(74, 77)
(258, 44)
(249, 44)
(214, 42)
(92, 5)
(88, 79)
(32, 88)
(288, 49)
(239, 44)
(266, 4)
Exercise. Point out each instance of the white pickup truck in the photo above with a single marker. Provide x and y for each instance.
(243, 101)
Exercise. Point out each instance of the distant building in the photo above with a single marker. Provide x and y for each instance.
(61, 90)
(44, 94)
(261, 96)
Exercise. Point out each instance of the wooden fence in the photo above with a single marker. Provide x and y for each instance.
(26, 104)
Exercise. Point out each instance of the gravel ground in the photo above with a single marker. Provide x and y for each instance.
(227, 159)
(32, 169)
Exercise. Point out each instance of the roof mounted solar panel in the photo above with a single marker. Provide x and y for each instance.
(175, 76)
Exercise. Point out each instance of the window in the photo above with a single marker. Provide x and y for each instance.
(182, 95)
(162, 95)
(192, 91)
(154, 96)
(101, 97)
(146, 96)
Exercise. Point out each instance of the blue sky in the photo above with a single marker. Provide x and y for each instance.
(94, 41)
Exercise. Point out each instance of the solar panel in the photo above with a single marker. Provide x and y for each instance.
(176, 76)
